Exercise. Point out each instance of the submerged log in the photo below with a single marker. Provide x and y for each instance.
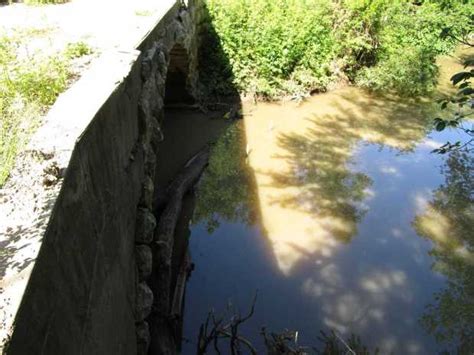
(178, 298)
(164, 233)
(161, 279)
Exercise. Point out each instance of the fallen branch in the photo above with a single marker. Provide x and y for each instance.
(164, 233)
(178, 299)
(284, 343)
(167, 302)
(228, 331)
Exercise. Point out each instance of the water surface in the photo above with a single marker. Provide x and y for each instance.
(339, 214)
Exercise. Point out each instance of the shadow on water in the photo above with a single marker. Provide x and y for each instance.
(308, 190)
(286, 175)
(330, 244)
(189, 125)
(226, 189)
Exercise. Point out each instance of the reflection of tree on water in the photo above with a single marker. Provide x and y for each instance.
(311, 199)
(224, 188)
(319, 156)
(327, 188)
(301, 158)
(448, 221)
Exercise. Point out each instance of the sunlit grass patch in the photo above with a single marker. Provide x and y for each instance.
(77, 49)
(35, 32)
(45, 2)
(143, 12)
(29, 85)
(19, 119)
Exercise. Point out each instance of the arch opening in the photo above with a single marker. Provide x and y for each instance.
(176, 88)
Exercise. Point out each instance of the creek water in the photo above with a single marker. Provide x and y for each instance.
(337, 212)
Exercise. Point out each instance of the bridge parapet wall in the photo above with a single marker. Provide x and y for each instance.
(87, 293)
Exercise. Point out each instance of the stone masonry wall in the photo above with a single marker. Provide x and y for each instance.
(88, 292)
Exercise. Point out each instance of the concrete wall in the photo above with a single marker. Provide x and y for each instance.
(88, 292)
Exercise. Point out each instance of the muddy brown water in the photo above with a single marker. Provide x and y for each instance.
(337, 212)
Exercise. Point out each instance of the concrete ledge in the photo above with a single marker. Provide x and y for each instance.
(75, 109)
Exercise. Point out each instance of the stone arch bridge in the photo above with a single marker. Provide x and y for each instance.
(87, 293)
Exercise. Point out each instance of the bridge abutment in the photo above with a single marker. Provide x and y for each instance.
(88, 292)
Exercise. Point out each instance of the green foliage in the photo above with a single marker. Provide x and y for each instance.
(28, 85)
(44, 2)
(413, 72)
(459, 107)
(143, 13)
(77, 49)
(273, 45)
(409, 43)
(289, 47)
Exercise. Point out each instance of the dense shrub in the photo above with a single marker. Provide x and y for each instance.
(288, 47)
(275, 47)
(408, 43)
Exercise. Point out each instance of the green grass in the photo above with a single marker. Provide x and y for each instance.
(45, 2)
(274, 48)
(143, 13)
(29, 85)
(37, 2)
(77, 49)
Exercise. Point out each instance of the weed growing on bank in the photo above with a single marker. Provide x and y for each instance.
(77, 50)
(143, 13)
(275, 48)
(29, 84)
(44, 2)
(34, 2)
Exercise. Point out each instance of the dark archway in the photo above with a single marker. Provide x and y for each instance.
(176, 89)
(192, 119)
